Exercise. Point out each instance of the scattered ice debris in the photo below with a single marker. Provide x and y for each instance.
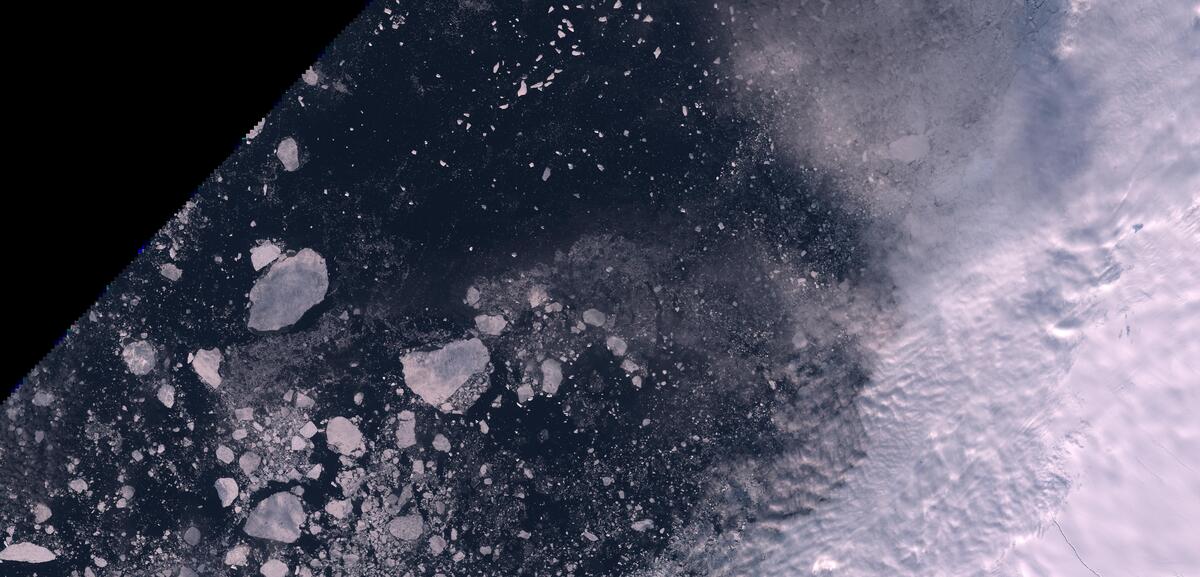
(166, 395)
(408, 527)
(288, 153)
(238, 556)
(343, 436)
(291, 287)
(449, 378)
(263, 255)
(277, 518)
(490, 324)
(227, 491)
(27, 553)
(406, 430)
(594, 317)
(273, 568)
(441, 443)
(616, 345)
(207, 364)
(551, 376)
(170, 272)
(139, 356)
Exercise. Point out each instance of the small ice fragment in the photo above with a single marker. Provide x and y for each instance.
(409, 527)
(546, 174)
(472, 296)
(594, 317)
(522, 90)
(166, 395)
(642, 525)
(78, 485)
(308, 430)
(291, 287)
(437, 376)
(273, 568)
(238, 556)
(339, 509)
(41, 513)
(616, 345)
(249, 462)
(207, 364)
(657, 53)
(227, 490)
(27, 553)
(441, 443)
(406, 430)
(263, 255)
(288, 153)
(191, 536)
(590, 536)
(139, 357)
(170, 272)
(343, 436)
(310, 77)
(490, 324)
(551, 376)
(224, 454)
(277, 518)
(437, 544)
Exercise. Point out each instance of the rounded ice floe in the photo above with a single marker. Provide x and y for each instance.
(277, 518)
(41, 513)
(237, 556)
(436, 376)
(291, 287)
(343, 436)
(288, 153)
(408, 527)
(139, 357)
(616, 345)
(27, 553)
(207, 364)
(441, 443)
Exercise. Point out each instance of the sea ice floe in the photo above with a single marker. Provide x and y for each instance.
(139, 357)
(27, 553)
(227, 490)
(288, 153)
(207, 364)
(343, 436)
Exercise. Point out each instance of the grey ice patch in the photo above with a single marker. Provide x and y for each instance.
(207, 364)
(288, 153)
(166, 395)
(291, 287)
(277, 518)
(139, 357)
(451, 377)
